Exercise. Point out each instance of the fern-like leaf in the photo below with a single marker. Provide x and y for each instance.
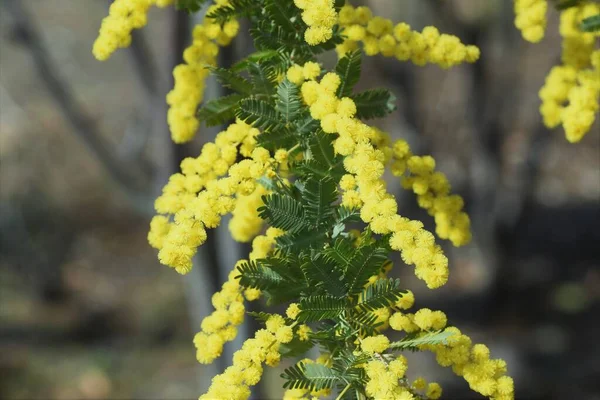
(321, 272)
(366, 263)
(318, 308)
(348, 68)
(382, 293)
(221, 110)
(309, 376)
(259, 114)
(288, 100)
(231, 80)
(261, 77)
(253, 275)
(375, 103)
(283, 212)
(233, 9)
(318, 196)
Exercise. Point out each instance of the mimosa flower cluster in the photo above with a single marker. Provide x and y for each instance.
(380, 36)
(433, 193)
(365, 187)
(123, 17)
(188, 92)
(571, 94)
(530, 18)
(221, 326)
(247, 368)
(298, 165)
(200, 195)
(320, 16)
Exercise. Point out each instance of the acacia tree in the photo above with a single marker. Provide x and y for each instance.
(302, 174)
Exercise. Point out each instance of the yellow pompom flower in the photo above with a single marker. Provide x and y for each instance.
(292, 311)
(320, 16)
(375, 344)
(530, 18)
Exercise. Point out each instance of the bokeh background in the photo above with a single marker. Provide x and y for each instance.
(87, 312)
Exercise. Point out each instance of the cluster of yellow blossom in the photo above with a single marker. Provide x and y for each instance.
(320, 16)
(570, 95)
(379, 35)
(245, 223)
(123, 17)
(364, 187)
(246, 370)
(308, 72)
(433, 193)
(201, 195)
(484, 375)
(221, 326)
(188, 91)
(530, 18)
(580, 58)
(423, 320)
(384, 379)
(263, 244)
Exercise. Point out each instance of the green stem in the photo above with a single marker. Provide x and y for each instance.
(343, 392)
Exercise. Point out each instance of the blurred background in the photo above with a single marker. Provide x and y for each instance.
(87, 312)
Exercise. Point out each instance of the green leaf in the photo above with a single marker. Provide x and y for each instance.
(318, 308)
(374, 103)
(261, 76)
(233, 9)
(260, 315)
(274, 140)
(382, 293)
(259, 114)
(321, 272)
(288, 100)
(306, 125)
(321, 148)
(253, 275)
(365, 323)
(318, 196)
(295, 348)
(190, 5)
(308, 238)
(342, 252)
(255, 58)
(232, 80)
(415, 340)
(345, 215)
(221, 110)
(311, 167)
(283, 212)
(309, 376)
(564, 4)
(591, 24)
(366, 263)
(283, 13)
(348, 68)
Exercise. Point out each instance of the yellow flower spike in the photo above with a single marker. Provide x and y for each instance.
(379, 36)
(124, 16)
(245, 223)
